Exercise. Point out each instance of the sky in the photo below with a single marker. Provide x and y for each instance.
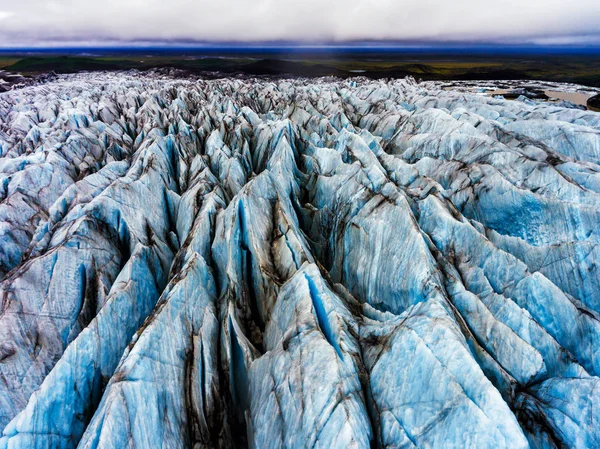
(110, 22)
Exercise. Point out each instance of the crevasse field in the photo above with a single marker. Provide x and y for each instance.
(255, 263)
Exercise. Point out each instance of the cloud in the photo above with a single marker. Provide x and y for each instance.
(30, 22)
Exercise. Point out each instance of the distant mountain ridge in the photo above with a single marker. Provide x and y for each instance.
(575, 69)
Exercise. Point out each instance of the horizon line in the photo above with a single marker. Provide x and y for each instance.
(364, 46)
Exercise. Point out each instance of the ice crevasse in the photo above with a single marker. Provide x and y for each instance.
(293, 263)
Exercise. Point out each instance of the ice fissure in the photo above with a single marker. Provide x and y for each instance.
(291, 263)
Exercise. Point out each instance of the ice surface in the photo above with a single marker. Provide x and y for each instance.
(296, 264)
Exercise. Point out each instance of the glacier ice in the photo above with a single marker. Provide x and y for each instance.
(293, 263)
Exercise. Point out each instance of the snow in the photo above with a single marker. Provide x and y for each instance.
(296, 263)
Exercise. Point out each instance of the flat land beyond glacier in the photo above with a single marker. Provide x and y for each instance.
(278, 263)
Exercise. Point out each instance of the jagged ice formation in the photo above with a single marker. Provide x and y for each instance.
(296, 264)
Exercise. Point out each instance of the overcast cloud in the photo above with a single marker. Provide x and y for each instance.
(35, 22)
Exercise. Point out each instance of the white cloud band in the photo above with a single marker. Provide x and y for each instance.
(37, 21)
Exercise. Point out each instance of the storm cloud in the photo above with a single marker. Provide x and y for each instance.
(37, 22)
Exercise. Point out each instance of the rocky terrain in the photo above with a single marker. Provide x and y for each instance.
(245, 263)
(10, 81)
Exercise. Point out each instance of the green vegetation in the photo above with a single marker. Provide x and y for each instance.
(578, 69)
(7, 61)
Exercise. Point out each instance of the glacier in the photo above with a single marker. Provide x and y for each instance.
(296, 263)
